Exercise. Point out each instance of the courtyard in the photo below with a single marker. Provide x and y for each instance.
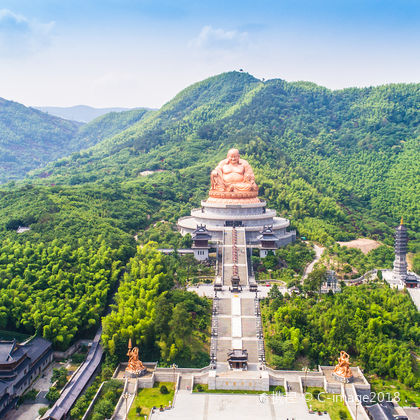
(238, 407)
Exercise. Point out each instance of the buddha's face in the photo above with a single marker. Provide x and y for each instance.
(233, 156)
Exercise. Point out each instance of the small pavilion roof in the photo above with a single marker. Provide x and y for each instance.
(237, 354)
(267, 234)
(201, 233)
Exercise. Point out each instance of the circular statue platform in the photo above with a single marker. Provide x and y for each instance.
(216, 214)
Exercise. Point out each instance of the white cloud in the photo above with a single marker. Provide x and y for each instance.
(218, 38)
(22, 36)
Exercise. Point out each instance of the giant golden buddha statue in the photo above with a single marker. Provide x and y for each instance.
(233, 178)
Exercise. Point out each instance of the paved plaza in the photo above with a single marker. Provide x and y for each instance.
(207, 290)
(238, 407)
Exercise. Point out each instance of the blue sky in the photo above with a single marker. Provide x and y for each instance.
(141, 53)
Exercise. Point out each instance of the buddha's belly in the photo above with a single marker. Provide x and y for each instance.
(233, 178)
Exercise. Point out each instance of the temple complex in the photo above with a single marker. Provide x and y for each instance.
(235, 220)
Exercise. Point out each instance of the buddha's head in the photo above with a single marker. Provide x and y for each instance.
(233, 156)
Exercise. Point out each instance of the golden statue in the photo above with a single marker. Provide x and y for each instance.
(233, 178)
(342, 369)
(135, 366)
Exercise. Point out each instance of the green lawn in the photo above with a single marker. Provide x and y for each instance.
(151, 397)
(408, 397)
(332, 404)
(205, 388)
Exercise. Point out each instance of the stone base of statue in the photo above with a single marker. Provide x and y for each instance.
(342, 379)
(233, 197)
(251, 213)
(135, 374)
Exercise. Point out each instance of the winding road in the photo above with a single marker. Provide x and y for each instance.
(319, 250)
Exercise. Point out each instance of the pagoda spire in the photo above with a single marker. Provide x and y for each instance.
(400, 262)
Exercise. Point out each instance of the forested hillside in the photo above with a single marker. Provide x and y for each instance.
(30, 139)
(341, 163)
(168, 325)
(377, 325)
(104, 126)
(56, 292)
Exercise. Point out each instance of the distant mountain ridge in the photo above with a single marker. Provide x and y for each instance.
(30, 138)
(81, 113)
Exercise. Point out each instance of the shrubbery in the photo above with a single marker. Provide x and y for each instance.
(376, 325)
(163, 323)
(55, 291)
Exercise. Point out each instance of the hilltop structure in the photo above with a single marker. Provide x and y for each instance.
(233, 202)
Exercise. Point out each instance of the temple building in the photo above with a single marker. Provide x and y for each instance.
(400, 262)
(400, 277)
(268, 241)
(233, 202)
(330, 283)
(20, 364)
(201, 246)
(238, 359)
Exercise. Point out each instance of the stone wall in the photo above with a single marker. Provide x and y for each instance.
(275, 381)
(332, 388)
(120, 401)
(313, 381)
(243, 383)
(92, 403)
(200, 379)
(165, 376)
(146, 381)
(62, 355)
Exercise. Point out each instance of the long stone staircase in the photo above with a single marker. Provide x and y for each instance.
(236, 321)
(235, 256)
